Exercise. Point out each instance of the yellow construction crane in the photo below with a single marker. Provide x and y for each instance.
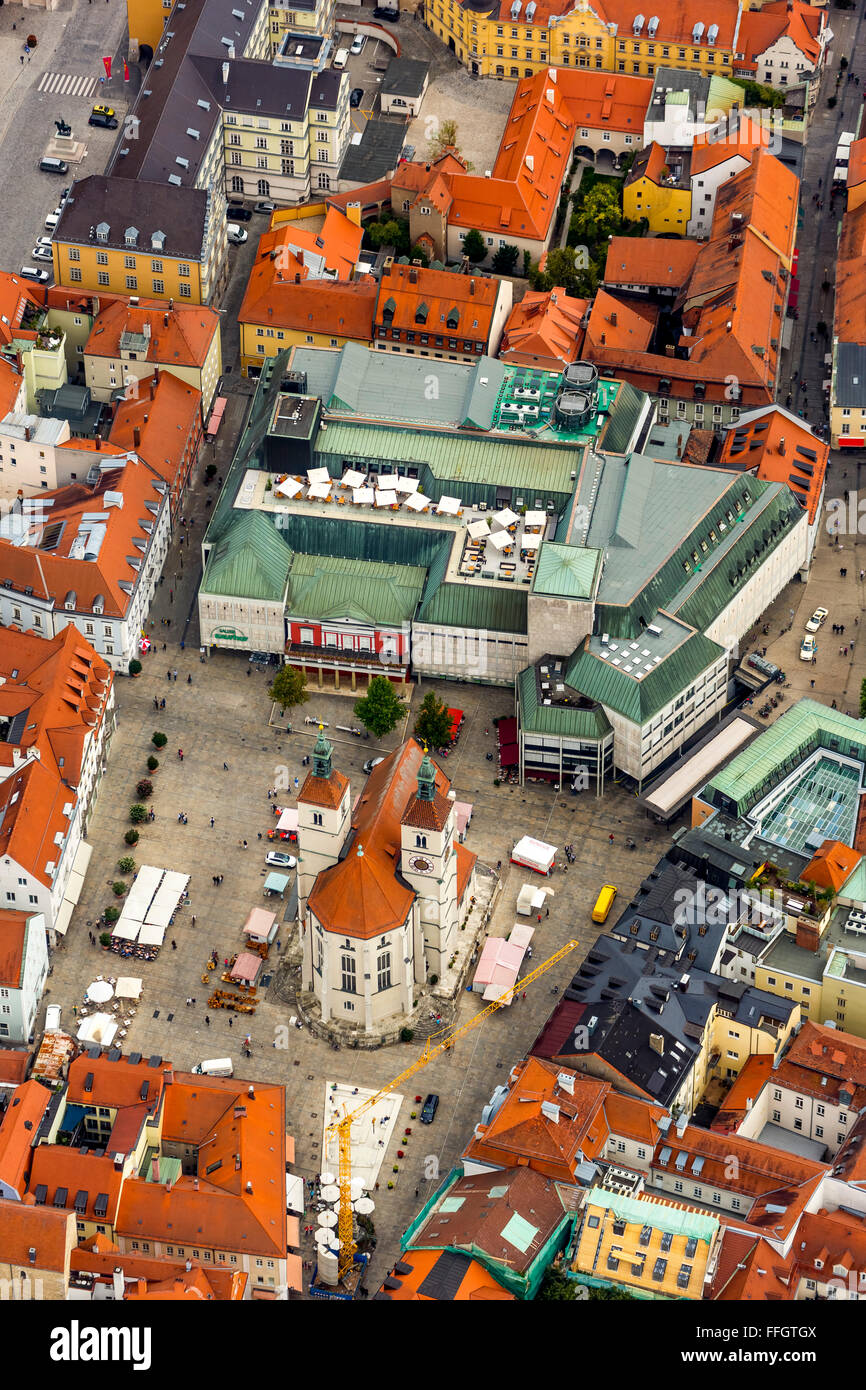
(436, 1044)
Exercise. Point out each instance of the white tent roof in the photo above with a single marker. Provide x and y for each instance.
(128, 987)
(448, 506)
(289, 819)
(506, 517)
(500, 539)
(127, 929)
(352, 478)
(362, 496)
(151, 935)
(99, 992)
(318, 475)
(406, 484)
(416, 502)
(98, 1028)
(477, 529)
(320, 491)
(386, 499)
(289, 487)
(535, 519)
(530, 542)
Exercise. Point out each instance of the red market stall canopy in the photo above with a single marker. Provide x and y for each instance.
(246, 968)
(216, 415)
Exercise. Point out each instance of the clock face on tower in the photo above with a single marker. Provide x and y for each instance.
(420, 865)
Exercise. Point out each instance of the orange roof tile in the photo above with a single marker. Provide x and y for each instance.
(746, 1088)
(471, 1216)
(309, 306)
(162, 1278)
(178, 337)
(60, 1169)
(651, 163)
(13, 932)
(338, 243)
(96, 1081)
(476, 1284)
(827, 1239)
(633, 1118)
(24, 1228)
(407, 290)
(54, 574)
(850, 309)
(466, 862)
(14, 1065)
(707, 153)
(616, 325)
(603, 100)
(324, 791)
(791, 19)
(748, 1269)
(521, 1132)
(166, 413)
(772, 442)
(652, 261)
(544, 329)
(832, 864)
(856, 163)
(16, 295)
(362, 895)
(17, 1132)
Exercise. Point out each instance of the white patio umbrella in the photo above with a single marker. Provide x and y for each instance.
(385, 498)
(477, 529)
(99, 992)
(357, 1188)
(319, 492)
(506, 517)
(365, 1206)
(352, 478)
(322, 1237)
(362, 496)
(330, 1193)
(416, 501)
(406, 484)
(500, 539)
(327, 1218)
(334, 1243)
(289, 487)
(448, 506)
(326, 1179)
(318, 475)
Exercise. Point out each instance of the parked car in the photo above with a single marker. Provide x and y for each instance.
(33, 272)
(42, 253)
(385, 12)
(278, 860)
(371, 763)
(52, 219)
(236, 235)
(44, 241)
(52, 1018)
(264, 205)
(817, 618)
(101, 110)
(808, 649)
(358, 45)
(100, 118)
(236, 212)
(356, 96)
(429, 1108)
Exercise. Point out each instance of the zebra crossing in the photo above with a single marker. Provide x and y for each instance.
(67, 84)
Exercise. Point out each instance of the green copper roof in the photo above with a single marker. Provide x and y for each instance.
(566, 571)
(326, 586)
(565, 721)
(480, 606)
(251, 560)
(807, 725)
(639, 700)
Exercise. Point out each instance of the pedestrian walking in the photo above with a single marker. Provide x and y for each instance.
(175, 675)
(225, 767)
(162, 703)
(211, 822)
(174, 945)
(189, 680)
(547, 912)
(193, 920)
(812, 684)
(168, 673)
(610, 838)
(207, 1019)
(231, 1023)
(155, 702)
(524, 994)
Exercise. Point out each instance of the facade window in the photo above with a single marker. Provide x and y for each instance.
(102, 258)
(75, 275)
(74, 253)
(383, 970)
(159, 287)
(132, 282)
(347, 973)
(103, 277)
(183, 270)
(129, 262)
(185, 292)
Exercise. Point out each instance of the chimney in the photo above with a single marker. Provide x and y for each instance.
(471, 286)
(152, 389)
(249, 1187)
(782, 445)
(98, 442)
(165, 320)
(156, 1167)
(413, 275)
(195, 1184)
(603, 339)
(225, 74)
(657, 1043)
(136, 437)
(156, 374)
(612, 318)
(188, 1266)
(117, 1282)
(251, 1092)
(297, 277)
(27, 433)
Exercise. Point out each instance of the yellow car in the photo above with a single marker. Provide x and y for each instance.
(604, 903)
(103, 111)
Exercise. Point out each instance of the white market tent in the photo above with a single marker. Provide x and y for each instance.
(140, 895)
(416, 501)
(99, 1029)
(289, 819)
(534, 854)
(500, 539)
(506, 517)
(530, 542)
(99, 992)
(126, 929)
(319, 492)
(477, 529)
(386, 499)
(128, 987)
(362, 496)
(318, 475)
(406, 484)
(530, 899)
(289, 487)
(448, 506)
(151, 935)
(535, 519)
(352, 478)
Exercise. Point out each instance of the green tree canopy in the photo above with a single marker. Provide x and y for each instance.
(288, 688)
(445, 135)
(380, 709)
(505, 260)
(474, 246)
(598, 215)
(433, 725)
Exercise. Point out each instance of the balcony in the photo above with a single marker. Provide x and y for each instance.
(336, 656)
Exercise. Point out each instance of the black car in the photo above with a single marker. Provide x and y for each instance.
(385, 12)
(356, 96)
(428, 1111)
(236, 212)
(100, 118)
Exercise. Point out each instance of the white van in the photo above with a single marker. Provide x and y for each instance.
(847, 137)
(52, 1018)
(341, 57)
(51, 221)
(843, 154)
(217, 1066)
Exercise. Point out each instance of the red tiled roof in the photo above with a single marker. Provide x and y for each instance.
(162, 1278)
(312, 306)
(831, 866)
(13, 932)
(478, 1225)
(827, 1239)
(613, 324)
(544, 329)
(23, 1115)
(24, 1227)
(166, 413)
(652, 261)
(749, 1269)
(178, 337)
(707, 153)
(850, 310)
(324, 791)
(58, 1167)
(96, 1081)
(407, 290)
(417, 1265)
(747, 1087)
(760, 29)
(770, 442)
(14, 1065)
(362, 895)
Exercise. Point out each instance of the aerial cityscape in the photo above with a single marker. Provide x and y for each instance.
(432, 818)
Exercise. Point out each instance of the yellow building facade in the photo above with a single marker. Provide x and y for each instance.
(665, 209)
(490, 46)
(314, 18)
(131, 270)
(653, 1248)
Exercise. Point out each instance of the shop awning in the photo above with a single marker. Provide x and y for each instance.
(276, 883)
